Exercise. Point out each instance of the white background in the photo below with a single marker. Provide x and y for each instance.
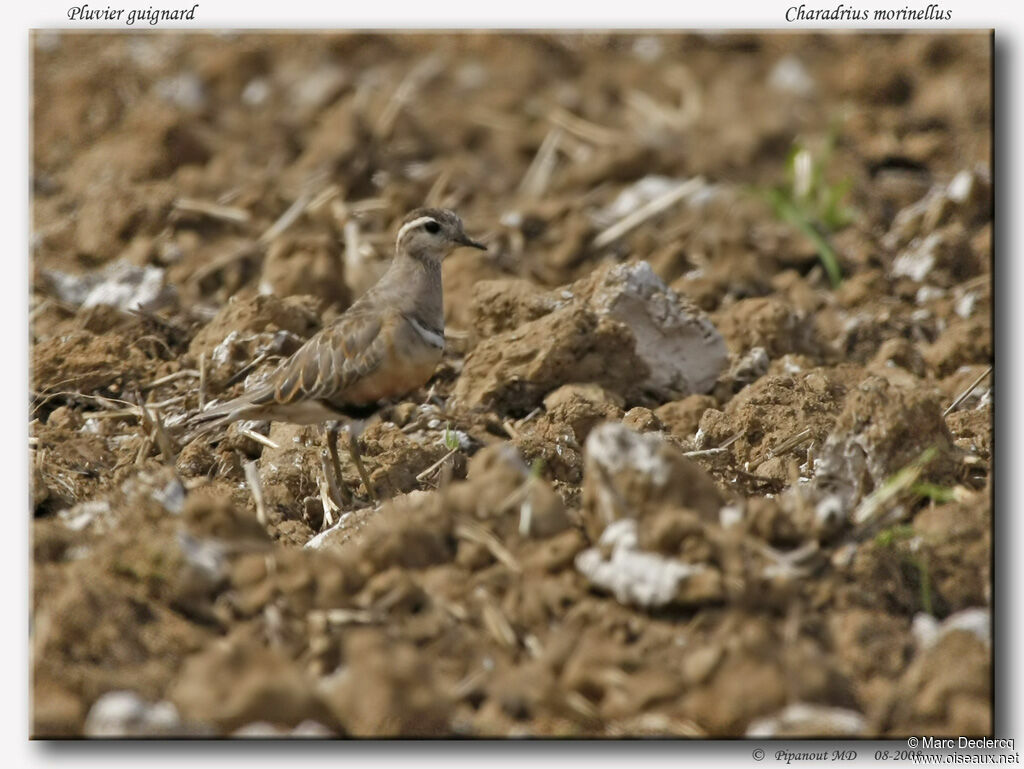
(15, 23)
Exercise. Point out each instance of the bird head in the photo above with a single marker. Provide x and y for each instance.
(432, 233)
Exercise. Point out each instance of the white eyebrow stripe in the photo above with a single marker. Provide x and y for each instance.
(431, 337)
(413, 224)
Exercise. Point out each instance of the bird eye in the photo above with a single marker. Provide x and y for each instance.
(432, 227)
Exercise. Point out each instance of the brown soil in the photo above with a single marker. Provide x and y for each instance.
(490, 593)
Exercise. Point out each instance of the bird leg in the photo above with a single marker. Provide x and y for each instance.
(353, 450)
(338, 484)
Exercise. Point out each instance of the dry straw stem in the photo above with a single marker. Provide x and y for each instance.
(151, 417)
(537, 411)
(426, 473)
(468, 685)
(584, 129)
(489, 118)
(188, 372)
(732, 439)
(340, 617)
(525, 517)
(794, 564)
(287, 219)
(168, 402)
(647, 211)
(872, 507)
(202, 381)
(48, 394)
(322, 198)
(255, 436)
(212, 210)
(132, 411)
(474, 532)
(369, 206)
(144, 446)
(40, 306)
(416, 78)
(705, 452)
(242, 253)
(787, 445)
(353, 256)
(148, 315)
(107, 403)
(581, 704)
(436, 193)
(66, 307)
(326, 503)
(538, 176)
(533, 645)
(457, 611)
(651, 111)
(243, 372)
(119, 414)
(963, 396)
(655, 725)
(518, 495)
(330, 497)
(495, 621)
(252, 478)
(717, 449)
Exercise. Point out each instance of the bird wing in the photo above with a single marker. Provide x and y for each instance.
(331, 361)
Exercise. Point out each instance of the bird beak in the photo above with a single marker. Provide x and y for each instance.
(465, 240)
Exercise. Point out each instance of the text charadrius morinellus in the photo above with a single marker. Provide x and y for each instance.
(385, 345)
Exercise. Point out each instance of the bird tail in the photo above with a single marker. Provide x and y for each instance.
(219, 415)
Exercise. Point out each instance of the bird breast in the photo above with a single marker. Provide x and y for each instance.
(415, 350)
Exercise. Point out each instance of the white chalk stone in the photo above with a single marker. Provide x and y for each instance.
(683, 350)
(803, 719)
(633, 576)
(184, 90)
(928, 631)
(122, 285)
(126, 714)
(615, 447)
(789, 75)
(918, 259)
(84, 514)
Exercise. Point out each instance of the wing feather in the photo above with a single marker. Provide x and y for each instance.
(328, 364)
(331, 360)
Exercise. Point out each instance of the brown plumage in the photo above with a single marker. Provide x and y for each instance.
(385, 345)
